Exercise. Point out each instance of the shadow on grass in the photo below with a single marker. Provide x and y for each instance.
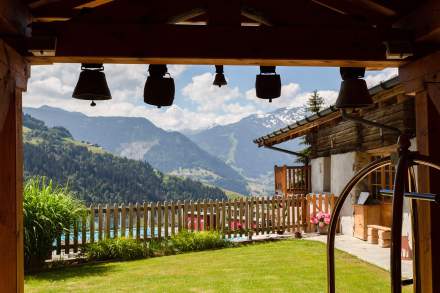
(82, 271)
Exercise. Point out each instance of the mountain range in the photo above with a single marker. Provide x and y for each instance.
(97, 176)
(224, 155)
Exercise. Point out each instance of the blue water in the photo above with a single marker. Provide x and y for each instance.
(126, 234)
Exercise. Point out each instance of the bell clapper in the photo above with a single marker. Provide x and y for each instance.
(92, 104)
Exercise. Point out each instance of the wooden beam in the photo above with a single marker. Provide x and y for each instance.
(414, 75)
(14, 18)
(110, 43)
(370, 11)
(428, 214)
(11, 189)
(224, 13)
(424, 22)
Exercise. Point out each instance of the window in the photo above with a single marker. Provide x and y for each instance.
(382, 178)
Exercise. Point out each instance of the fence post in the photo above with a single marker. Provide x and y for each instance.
(173, 218)
(92, 224)
(123, 221)
(138, 222)
(130, 220)
(159, 220)
(107, 221)
(145, 213)
(75, 236)
(84, 230)
(179, 216)
(153, 220)
(191, 215)
(99, 222)
(115, 220)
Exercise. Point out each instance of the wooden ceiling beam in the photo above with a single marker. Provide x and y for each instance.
(14, 18)
(230, 45)
(367, 10)
(424, 22)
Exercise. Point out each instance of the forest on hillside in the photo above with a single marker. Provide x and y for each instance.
(97, 176)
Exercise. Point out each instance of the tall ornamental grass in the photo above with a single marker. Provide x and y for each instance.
(48, 210)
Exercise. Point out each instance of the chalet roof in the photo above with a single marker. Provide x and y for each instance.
(301, 127)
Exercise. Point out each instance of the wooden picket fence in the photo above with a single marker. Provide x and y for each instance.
(235, 218)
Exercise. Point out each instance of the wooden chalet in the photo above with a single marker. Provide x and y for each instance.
(369, 33)
(339, 148)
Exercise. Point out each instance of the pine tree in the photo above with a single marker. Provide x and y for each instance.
(315, 103)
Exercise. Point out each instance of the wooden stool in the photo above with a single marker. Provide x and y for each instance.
(372, 233)
(383, 235)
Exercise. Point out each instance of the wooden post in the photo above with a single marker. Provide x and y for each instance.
(99, 222)
(115, 220)
(12, 83)
(107, 221)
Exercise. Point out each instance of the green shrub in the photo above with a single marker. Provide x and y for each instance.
(120, 248)
(48, 210)
(196, 241)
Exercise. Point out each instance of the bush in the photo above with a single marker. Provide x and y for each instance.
(196, 241)
(120, 248)
(48, 211)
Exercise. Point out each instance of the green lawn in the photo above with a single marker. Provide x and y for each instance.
(283, 266)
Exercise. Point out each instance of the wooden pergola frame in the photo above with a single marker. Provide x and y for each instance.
(246, 32)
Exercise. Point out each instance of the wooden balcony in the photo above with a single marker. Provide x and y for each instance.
(292, 180)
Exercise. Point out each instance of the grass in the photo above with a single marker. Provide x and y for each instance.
(283, 266)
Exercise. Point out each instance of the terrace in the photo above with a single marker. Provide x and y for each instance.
(366, 34)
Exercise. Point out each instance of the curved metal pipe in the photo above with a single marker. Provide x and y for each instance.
(364, 172)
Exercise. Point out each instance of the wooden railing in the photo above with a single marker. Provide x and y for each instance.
(292, 179)
(238, 218)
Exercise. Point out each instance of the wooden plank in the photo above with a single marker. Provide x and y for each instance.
(223, 227)
(257, 215)
(159, 220)
(236, 216)
(115, 220)
(84, 230)
(130, 220)
(308, 203)
(92, 224)
(138, 221)
(326, 198)
(246, 50)
(166, 217)
(100, 224)
(217, 216)
(185, 215)
(288, 210)
(191, 218)
(173, 218)
(75, 236)
(314, 211)
(228, 218)
(179, 216)
(211, 215)
(107, 221)
(205, 215)
(123, 221)
(145, 217)
(268, 215)
(67, 240)
(153, 212)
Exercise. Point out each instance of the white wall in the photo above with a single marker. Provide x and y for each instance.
(317, 179)
(342, 170)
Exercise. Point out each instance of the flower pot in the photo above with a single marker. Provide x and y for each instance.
(322, 228)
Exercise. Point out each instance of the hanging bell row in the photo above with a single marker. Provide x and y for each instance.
(159, 87)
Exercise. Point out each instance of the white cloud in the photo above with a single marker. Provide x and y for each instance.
(291, 96)
(376, 78)
(205, 104)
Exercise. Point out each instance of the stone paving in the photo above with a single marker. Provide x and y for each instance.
(370, 253)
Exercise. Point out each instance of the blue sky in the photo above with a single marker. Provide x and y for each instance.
(197, 103)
